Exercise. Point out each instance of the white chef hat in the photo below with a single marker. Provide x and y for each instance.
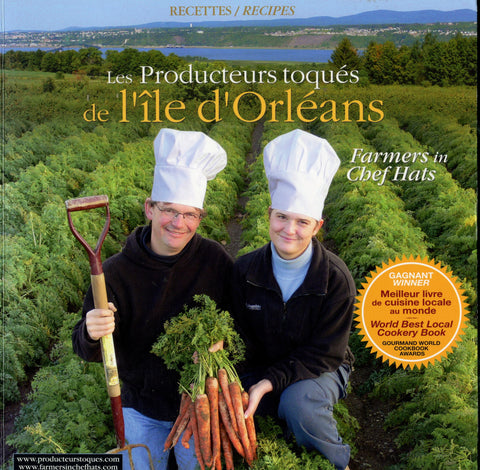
(185, 161)
(299, 168)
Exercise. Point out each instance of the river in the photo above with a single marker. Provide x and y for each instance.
(225, 53)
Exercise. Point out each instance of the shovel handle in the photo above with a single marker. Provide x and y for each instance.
(86, 203)
(112, 380)
(99, 291)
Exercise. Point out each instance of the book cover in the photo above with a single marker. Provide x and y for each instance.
(391, 86)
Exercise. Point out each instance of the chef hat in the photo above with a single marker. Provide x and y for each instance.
(299, 168)
(185, 161)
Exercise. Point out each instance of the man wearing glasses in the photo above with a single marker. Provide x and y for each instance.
(173, 225)
(161, 268)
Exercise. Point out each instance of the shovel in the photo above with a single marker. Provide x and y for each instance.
(100, 300)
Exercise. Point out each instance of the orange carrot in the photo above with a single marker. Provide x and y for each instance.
(211, 389)
(185, 400)
(202, 411)
(223, 380)
(188, 433)
(196, 440)
(226, 447)
(236, 394)
(234, 439)
(249, 422)
(183, 423)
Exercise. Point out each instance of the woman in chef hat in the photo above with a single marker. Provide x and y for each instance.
(293, 301)
(161, 268)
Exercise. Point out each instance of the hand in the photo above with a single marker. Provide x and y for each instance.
(256, 393)
(213, 348)
(100, 322)
(216, 347)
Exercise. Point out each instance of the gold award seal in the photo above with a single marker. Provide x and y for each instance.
(411, 312)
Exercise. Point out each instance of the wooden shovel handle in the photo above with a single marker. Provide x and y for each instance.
(85, 203)
(108, 350)
(112, 380)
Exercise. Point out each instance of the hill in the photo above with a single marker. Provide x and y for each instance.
(365, 18)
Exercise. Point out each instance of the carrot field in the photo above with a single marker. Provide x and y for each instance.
(53, 153)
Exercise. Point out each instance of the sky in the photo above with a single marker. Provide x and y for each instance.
(50, 15)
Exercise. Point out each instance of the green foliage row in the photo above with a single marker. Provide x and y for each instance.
(437, 412)
(68, 410)
(277, 453)
(445, 211)
(405, 102)
(459, 103)
(222, 196)
(41, 279)
(41, 125)
(448, 137)
(366, 221)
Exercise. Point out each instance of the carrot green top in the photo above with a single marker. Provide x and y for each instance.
(185, 344)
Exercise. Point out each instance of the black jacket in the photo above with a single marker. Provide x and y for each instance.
(148, 290)
(300, 338)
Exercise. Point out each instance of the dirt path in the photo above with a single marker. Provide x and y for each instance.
(234, 227)
(376, 449)
(8, 416)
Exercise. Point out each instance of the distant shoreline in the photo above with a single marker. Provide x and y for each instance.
(97, 46)
(263, 54)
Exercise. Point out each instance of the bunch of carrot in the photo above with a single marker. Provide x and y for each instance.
(213, 402)
(217, 423)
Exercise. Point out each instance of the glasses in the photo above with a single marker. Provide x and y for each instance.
(171, 214)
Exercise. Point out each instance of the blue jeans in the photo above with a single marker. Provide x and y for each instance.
(307, 408)
(140, 429)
